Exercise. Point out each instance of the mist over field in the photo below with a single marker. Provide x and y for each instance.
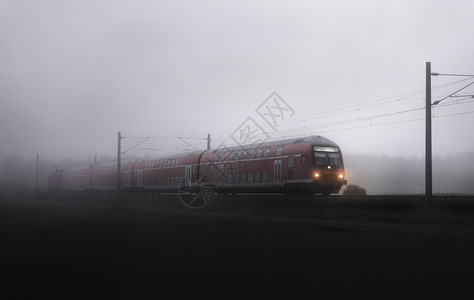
(378, 174)
(382, 174)
(75, 73)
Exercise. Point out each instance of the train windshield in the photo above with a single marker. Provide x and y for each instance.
(327, 156)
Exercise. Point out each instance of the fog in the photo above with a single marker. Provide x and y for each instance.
(74, 73)
(382, 174)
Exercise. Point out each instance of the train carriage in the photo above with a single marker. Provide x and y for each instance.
(301, 165)
(310, 165)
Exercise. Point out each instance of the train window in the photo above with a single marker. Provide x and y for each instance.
(232, 155)
(303, 159)
(267, 152)
(211, 169)
(320, 158)
(221, 156)
(252, 153)
(195, 170)
(279, 150)
(236, 178)
(257, 177)
(264, 177)
(243, 177)
(259, 153)
(245, 155)
(250, 178)
(334, 159)
(291, 161)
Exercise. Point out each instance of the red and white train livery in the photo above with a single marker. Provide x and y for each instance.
(305, 165)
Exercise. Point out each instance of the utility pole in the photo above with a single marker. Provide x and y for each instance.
(428, 153)
(37, 171)
(208, 141)
(119, 154)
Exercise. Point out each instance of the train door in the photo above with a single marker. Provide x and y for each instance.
(139, 178)
(277, 171)
(220, 174)
(128, 179)
(187, 176)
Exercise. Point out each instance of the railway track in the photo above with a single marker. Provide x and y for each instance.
(283, 204)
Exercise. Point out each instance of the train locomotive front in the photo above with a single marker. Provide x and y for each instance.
(328, 169)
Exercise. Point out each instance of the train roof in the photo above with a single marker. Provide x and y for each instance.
(315, 140)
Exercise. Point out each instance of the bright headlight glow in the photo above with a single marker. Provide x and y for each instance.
(341, 176)
(316, 175)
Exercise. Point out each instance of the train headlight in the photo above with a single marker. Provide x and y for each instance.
(341, 176)
(317, 175)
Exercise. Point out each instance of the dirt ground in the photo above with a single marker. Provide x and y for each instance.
(78, 248)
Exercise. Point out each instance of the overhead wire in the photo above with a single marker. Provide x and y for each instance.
(224, 135)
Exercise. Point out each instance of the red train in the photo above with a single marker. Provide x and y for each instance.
(302, 165)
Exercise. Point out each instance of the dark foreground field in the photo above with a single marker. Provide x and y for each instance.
(97, 247)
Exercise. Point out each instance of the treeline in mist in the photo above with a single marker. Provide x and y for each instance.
(382, 174)
(19, 174)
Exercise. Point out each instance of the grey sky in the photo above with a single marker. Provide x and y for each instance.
(74, 73)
